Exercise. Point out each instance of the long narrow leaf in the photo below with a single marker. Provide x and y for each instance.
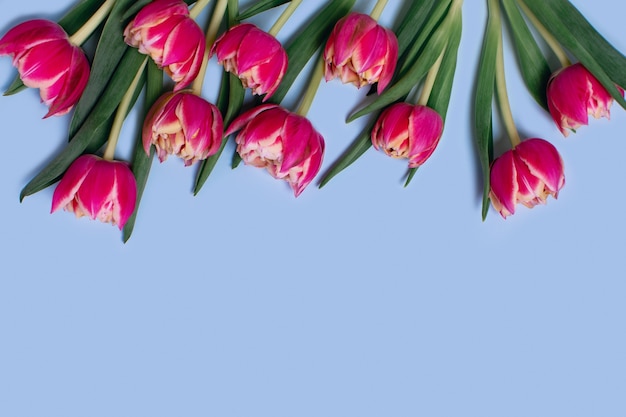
(260, 7)
(142, 162)
(485, 85)
(532, 63)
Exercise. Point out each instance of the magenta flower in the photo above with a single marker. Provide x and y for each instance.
(183, 124)
(46, 59)
(408, 131)
(164, 30)
(361, 52)
(574, 94)
(284, 143)
(526, 174)
(97, 188)
(255, 56)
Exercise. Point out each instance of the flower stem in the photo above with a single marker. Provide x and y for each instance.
(197, 8)
(378, 9)
(310, 92)
(282, 19)
(120, 115)
(211, 35)
(80, 36)
(430, 80)
(503, 98)
(546, 35)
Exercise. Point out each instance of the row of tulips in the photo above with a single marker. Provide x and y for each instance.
(357, 50)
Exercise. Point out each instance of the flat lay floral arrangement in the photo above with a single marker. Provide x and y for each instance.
(161, 48)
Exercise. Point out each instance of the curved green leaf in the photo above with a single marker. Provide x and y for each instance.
(260, 7)
(483, 100)
(532, 63)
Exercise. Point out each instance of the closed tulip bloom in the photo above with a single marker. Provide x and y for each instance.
(46, 59)
(361, 52)
(255, 56)
(573, 94)
(183, 124)
(97, 188)
(164, 31)
(526, 174)
(408, 131)
(284, 143)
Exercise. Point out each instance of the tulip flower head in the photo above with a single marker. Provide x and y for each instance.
(46, 59)
(526, 174)
(255, 56)
(164, 30)
(573, 94)
(361, 52)
(408, 131)
(97, 188)
(284, 143)
(183, 124)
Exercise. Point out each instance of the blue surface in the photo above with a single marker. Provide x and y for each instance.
(363, 298)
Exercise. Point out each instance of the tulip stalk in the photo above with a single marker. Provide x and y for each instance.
(285, 15)
(309, 94)
(554, 45)
(120, 114)
(197, 8)
(378, 9)
(82, 34)
(503, 99)
(211, 35)
(429, 82)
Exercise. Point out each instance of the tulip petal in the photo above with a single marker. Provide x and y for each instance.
(72, 181)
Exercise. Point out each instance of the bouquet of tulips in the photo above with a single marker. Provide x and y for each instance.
(160, 47)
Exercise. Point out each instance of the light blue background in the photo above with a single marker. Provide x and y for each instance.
(360, 299)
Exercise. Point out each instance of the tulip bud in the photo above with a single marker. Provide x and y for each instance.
(46, 59)
(361, 52)
(164, 30)
(183, 124)
(97, 188)
(573, 94)
(526, 174)
(408, 131)
(255, 56)
(284, 143)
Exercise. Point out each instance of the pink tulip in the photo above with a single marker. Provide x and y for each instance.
(284, 143)
(408, 131)
(164, 30)
(98, 188)
(361, 52)
(46, 59)
(255, 56)
(526, 174)
(574, 94)
(183, 124)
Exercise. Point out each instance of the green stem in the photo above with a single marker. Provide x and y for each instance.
(430, 80)
(282, 19)
(554, 45)
(211, 35)
(503, 98)
(197, 8)
(81, 35)
(314, 84)
(378, 9)
(120, 114)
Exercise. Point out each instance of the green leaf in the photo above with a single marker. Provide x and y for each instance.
(260, 7)
(485, 86)
(94, 131)
(229, 101)
(302, 47)
(576, 34)
(439, 98)
(16, 86)
(110, 50)
(357, 148)
(141, 162)
(533, 65)
(411, 24)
